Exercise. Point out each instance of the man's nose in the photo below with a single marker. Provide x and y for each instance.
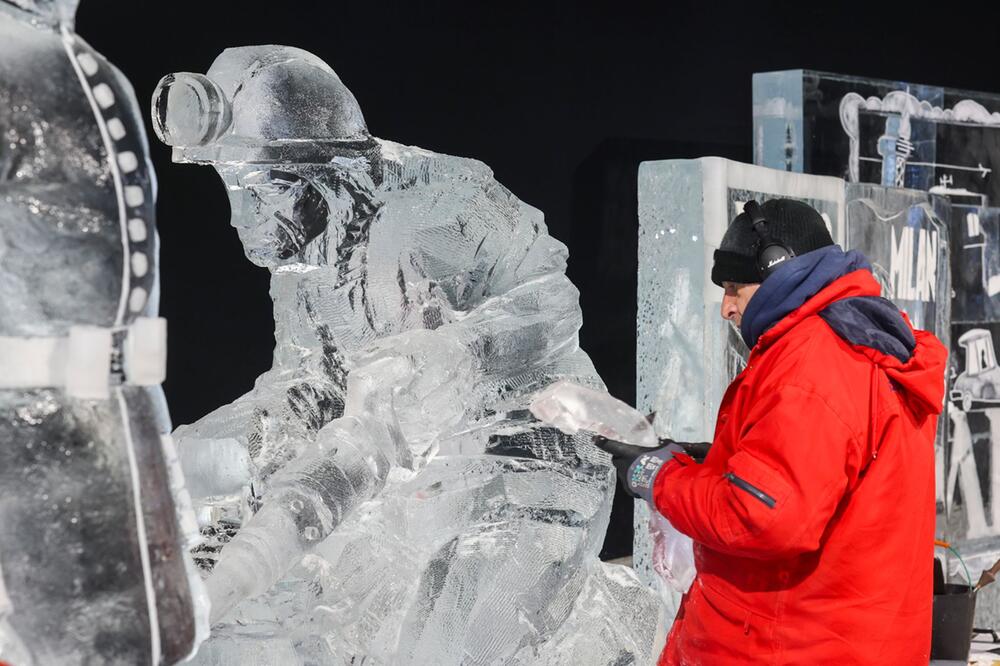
(728, 308)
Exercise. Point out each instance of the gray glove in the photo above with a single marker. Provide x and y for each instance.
(638, 465)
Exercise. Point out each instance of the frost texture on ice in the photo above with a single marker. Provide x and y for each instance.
(91, 549)
(572, 408)
(383, 494)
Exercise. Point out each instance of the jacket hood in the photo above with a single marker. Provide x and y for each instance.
(922, 377)
(793, 284)
(851, 305)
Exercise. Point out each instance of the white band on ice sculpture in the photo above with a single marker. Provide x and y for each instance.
(5, 606)
(82, 362)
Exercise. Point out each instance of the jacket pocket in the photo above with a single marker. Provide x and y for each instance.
(758, 494)
(750, 488)
(719, 631)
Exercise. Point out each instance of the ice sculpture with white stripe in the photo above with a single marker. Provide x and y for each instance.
(92, 538)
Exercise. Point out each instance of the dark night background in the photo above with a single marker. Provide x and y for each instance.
(561, 100)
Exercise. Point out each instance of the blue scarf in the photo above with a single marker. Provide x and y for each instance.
(794, 283)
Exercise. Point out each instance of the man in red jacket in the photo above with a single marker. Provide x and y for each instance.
(813, 512)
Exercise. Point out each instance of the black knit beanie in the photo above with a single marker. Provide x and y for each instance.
(795, 224)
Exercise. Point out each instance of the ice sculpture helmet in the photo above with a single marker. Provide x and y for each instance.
(287, 137)
(264, 104)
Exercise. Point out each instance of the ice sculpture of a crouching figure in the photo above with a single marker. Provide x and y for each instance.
(391, 498)
(93, 568)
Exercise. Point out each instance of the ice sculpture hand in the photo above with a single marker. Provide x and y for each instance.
(638, 466)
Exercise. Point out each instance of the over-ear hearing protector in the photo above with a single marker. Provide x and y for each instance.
(770, 252)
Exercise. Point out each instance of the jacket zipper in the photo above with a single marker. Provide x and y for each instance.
(756, 492)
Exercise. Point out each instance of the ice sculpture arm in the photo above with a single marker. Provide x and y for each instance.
(305, 401)
(778, 491)
(397, 406)
(403, 394)
(526, 321)
(281, 408)
(308, 499)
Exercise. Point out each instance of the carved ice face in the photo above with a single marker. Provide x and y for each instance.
(298, 213)
(276, 212)
(288, 139)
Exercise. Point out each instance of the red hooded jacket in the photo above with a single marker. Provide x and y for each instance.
(813, 513)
